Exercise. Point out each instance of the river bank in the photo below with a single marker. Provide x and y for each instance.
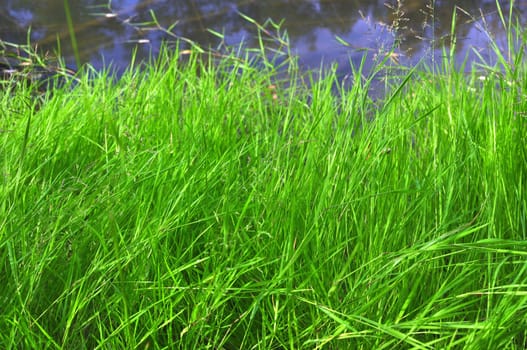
(200, 205)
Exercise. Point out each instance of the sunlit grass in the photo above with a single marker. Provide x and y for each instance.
(198, 205)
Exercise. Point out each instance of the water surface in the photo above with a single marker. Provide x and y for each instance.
(107, 33)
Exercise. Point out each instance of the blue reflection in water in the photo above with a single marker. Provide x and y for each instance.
(107, 33)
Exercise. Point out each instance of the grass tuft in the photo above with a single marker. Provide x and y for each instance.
(209, 203)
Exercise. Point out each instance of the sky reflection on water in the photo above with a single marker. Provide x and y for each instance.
(106, 33)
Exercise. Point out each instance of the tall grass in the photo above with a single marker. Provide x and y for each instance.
(203, 205)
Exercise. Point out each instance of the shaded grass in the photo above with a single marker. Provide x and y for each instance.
(206, 205)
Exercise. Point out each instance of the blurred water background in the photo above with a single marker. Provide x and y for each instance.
(107, 32)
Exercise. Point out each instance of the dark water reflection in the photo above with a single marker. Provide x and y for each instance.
(106, 32)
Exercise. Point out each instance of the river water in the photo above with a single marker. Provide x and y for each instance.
(107, 32)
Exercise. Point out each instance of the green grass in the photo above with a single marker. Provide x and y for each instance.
(197, 205)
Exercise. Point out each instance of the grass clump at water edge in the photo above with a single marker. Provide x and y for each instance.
(210, 206)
